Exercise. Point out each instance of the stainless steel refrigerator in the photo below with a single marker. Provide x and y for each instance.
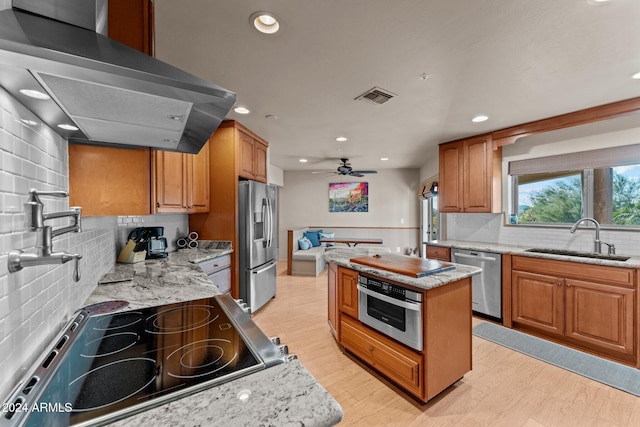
(258, 242)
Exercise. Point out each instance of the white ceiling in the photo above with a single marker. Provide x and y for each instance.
(513, 60)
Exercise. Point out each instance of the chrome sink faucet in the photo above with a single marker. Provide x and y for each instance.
(34, 220)
(597, 243)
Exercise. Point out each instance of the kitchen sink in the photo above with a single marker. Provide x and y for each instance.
(578, 254)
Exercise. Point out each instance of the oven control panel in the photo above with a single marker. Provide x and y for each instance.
(389, 289)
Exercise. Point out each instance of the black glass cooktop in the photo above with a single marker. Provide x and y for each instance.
(122, 361)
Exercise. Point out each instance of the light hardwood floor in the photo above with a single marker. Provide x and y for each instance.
(505, 388)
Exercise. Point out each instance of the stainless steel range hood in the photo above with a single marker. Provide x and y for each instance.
(113, 94)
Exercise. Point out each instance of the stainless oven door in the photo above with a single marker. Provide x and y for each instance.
(398, 319)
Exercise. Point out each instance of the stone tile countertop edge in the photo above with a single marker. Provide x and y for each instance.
(341, 256)
(282, 395)
(632, 262)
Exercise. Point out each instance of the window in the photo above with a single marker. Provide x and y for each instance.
(555, 190)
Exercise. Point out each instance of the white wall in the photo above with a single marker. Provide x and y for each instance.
(393, 207)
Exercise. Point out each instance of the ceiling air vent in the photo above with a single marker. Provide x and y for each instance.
(376, 95)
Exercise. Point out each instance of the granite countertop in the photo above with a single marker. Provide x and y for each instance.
(632, 262)
(341, 256)
(283, 395)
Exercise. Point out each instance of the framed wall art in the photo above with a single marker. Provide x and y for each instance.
(349, 197)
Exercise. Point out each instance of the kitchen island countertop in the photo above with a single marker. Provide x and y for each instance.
(283, 395)
(341, 256)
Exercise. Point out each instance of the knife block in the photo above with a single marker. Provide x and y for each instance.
(128, 256)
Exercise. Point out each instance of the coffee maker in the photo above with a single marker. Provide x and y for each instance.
(153, 240)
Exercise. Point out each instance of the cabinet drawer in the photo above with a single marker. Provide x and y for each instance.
(211, 266)
(391, 359)
(594, 273)
(222, 280)
(439, 253)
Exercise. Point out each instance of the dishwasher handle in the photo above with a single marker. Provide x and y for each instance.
(478, 257)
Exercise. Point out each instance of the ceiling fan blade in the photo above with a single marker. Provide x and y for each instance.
(361, 172)
(355, 174)
(331, 172)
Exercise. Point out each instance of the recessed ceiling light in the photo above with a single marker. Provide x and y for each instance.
(598, 2)
(241, 110)
(480, 118)
(303, 160)
(384, 159)
(424, 76)
(271, 116)
(67, 127)
(341, 138)
(636, 76)
(36, 94)
(29, 122)
(265, 22)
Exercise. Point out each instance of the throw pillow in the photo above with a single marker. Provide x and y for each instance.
(327, 236)
(313, 236)
(304, 244)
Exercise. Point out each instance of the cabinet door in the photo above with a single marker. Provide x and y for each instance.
(260, 162)
(601, 316)
(450, 185)
(477, 175)
(333, 299)
(246, 147)
(131, 23)
(197, 187)
(170, 174)
(538, 301)
(109, 181)
(348, 291)
(398, 363)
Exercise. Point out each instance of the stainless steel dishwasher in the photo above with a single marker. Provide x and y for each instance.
(486, 286)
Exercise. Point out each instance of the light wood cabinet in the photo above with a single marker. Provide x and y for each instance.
(390, 358)
(587, 306)
(225, 165)
(348, 292)
(439, 253)
(109, 181)
(131, 23)
(252, 157)
(181, 182)
(470, 176)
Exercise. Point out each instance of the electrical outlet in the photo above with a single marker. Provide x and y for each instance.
(398, 249)
(401, 220)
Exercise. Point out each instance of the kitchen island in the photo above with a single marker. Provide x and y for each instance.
(285, 394)
(422, 343)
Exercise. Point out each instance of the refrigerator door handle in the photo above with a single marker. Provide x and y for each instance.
(263, 269)
(270, 208)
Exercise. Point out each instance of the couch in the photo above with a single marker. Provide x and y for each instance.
(309, 262)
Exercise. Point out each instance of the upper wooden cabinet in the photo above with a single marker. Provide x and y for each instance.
(226, 162)
(252, 157)
(109, 181)
(131, 23)
(181, 182)
(470, 176)
(116, 181)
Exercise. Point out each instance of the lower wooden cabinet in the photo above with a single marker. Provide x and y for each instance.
(390, 358)
(439, 253)
(587, 306)
(348, 292)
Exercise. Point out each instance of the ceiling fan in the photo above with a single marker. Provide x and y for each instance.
(346, 169)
